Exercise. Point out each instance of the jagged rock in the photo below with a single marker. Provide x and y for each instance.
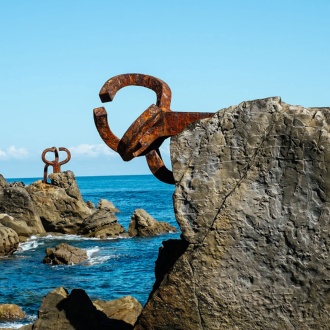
(65, 254)
(17, 184)
(9, 241)
(19, 226)
(253, 201)
(143, 224)
(3, 182)
(16, 202)
(125, 309)
(60, 310)
(10, 312)
(59, 205)
(103, 222)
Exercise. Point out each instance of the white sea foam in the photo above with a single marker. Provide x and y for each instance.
(94, 258)
(16, 325)
(32, 243)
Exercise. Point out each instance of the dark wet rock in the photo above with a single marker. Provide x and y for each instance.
(59, 205)
(65, 254)
(252, 200)
(9, 241)
(103, 222)
(143, 224)
(10, 312)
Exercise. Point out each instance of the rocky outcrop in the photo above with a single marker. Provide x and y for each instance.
(103, 222)
(19, 226)
(65, 254)
(3, 182)
(253, 201)
(143, 224)
(125, 309)
(9, 241)
(10, 312)
(59, 205)
(16, 202)
(61, 310)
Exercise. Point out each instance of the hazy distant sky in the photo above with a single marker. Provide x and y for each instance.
(56, 55)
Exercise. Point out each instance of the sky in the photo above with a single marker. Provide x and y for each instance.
(56, 55)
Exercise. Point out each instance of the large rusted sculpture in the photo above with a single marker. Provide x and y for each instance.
(55, 163)
(150, 129)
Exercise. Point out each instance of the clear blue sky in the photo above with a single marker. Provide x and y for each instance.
(56, 55)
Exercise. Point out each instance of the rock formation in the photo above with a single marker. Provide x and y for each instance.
(10, 312)
(143, 224)
(61, 310)
(253, 201)
(103, 222)
(8, 241)
(65, 254)
(59, 205)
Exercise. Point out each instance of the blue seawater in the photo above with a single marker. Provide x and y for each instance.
(116, 267)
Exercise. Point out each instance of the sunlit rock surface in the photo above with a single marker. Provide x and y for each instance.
(252, 200)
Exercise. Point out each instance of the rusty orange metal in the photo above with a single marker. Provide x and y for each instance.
(56, 164)
(146, 134)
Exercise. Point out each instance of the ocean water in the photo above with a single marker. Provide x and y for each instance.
(116, 267)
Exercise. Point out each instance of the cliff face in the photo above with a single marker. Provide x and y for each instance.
(253, 202)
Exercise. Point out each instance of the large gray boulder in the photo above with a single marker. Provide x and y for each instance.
(253, 201)
(59, 205)
(65, 254)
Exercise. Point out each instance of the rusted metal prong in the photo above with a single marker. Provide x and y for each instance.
(158, 168)
(55, 163)
(114, 84)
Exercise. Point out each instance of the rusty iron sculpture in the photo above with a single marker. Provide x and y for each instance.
(150, 129)
(55, 163)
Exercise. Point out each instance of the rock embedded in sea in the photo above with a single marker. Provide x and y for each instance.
(103, 222)
(65, 254)
(252, 200)
(19, 226)
(143, 225)
(9, 241)
(10, 312)
(59, 205)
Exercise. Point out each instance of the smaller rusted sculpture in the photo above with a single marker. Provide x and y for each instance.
(150, 129)
(55, 163)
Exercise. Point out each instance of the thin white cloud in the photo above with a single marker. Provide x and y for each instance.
(91, 150)
(13, 152)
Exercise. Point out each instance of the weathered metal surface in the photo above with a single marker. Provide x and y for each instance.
(150, 129)
(56, 164)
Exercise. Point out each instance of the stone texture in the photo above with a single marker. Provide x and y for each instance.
(65, 254)
(143, 224)
(63, 311)
(16, 202)
(126, 309)
(253, 201)
(3, 182)
(9, 241)
(59, 205)
(10, 312)
(103, 222)
(19, 226)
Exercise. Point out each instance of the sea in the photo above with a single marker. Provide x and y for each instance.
(115, 268)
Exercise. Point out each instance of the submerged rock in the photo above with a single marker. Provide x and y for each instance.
(9, 241)
(253, 201)
(143, 224)
(65, 254)
(103, 222)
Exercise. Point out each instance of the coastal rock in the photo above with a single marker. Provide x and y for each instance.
(19, 226)
(59, 205)
(16, 202)
(10, 312)
(9, 241)
(60, 310)
(3, 182)
(103, 222)
(143, 224)
(125, 309)
(65, 254)
(252, 200)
